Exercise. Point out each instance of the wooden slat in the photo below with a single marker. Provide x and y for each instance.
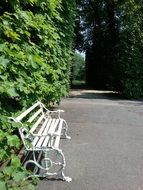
(36, 124)
(54, 126)
(42, 128)
(43, 131)
(58, 131)
(39, 142)
(52, 142)
(46, 140)
(51, 131)
(57, 140)
(35, 115)
(37, 139)
(34, 142)
(49, 124)
(20, 117)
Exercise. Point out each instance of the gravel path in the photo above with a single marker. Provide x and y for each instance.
(106, 149)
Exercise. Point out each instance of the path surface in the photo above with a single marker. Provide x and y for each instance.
(106, 149)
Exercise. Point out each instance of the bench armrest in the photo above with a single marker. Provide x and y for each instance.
(58, 112)
(48, 134)
(55, 111)
(50, 112)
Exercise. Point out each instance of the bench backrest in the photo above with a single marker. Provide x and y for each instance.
(29, 110)
(34, 115)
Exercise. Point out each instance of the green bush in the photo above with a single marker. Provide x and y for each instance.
(78, 67)
(130, 66)
(35, 54)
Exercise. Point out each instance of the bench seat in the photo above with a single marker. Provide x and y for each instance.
(52, 127)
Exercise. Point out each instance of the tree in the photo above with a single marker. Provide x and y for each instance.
(78, 67)
(130, 68)
(112, 32)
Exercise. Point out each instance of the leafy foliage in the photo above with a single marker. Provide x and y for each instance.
(78, 67)
(35, 54)
(131, 52)
(113, 33)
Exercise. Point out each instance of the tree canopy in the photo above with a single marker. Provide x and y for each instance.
(112, 36)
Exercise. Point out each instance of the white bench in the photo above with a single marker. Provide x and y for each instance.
(42, 138)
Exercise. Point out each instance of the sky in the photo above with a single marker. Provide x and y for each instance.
(81, 53)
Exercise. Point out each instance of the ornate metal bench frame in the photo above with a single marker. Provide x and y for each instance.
(43, 139)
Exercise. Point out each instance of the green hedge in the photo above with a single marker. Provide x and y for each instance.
(35, 54)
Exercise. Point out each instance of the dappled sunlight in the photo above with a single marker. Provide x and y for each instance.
(102, 97)
(92, 94)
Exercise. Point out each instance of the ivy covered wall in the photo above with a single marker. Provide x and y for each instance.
(35, 48)
(35, 53)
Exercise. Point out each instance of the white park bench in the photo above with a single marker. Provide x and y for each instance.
(42, 140)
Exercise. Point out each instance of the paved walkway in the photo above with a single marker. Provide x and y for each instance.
(106, 149)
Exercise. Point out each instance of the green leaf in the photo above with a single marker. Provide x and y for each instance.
(31, 187)
(3, 155)
(11, 34)
(19, 176)
(32, 1)
(32, 62)
(2, 46)
(13, 141)
(8, 170)
(15, 162)
(16, 125)
(12, 92)
(3, 61)
(3, 185)
(2, 135)
(15, 188)
(37, 59)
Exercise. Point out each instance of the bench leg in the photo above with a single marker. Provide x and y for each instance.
(60, 174)
(64, 178)
(57, 160)
(34, 161)
(46, 167)
(65, 129)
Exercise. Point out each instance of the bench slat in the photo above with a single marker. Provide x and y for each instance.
(54, 126)
(49, 124)
(39, 142)
(46, 142)
(45, 131)
(36, 124)
(35, 141)
(20, 117)
(42, 138)
(43, 127)
(51, 130)
(35, 115)
(57, 140)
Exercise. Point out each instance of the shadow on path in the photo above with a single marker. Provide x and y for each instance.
(94, 94)
(103, 95)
